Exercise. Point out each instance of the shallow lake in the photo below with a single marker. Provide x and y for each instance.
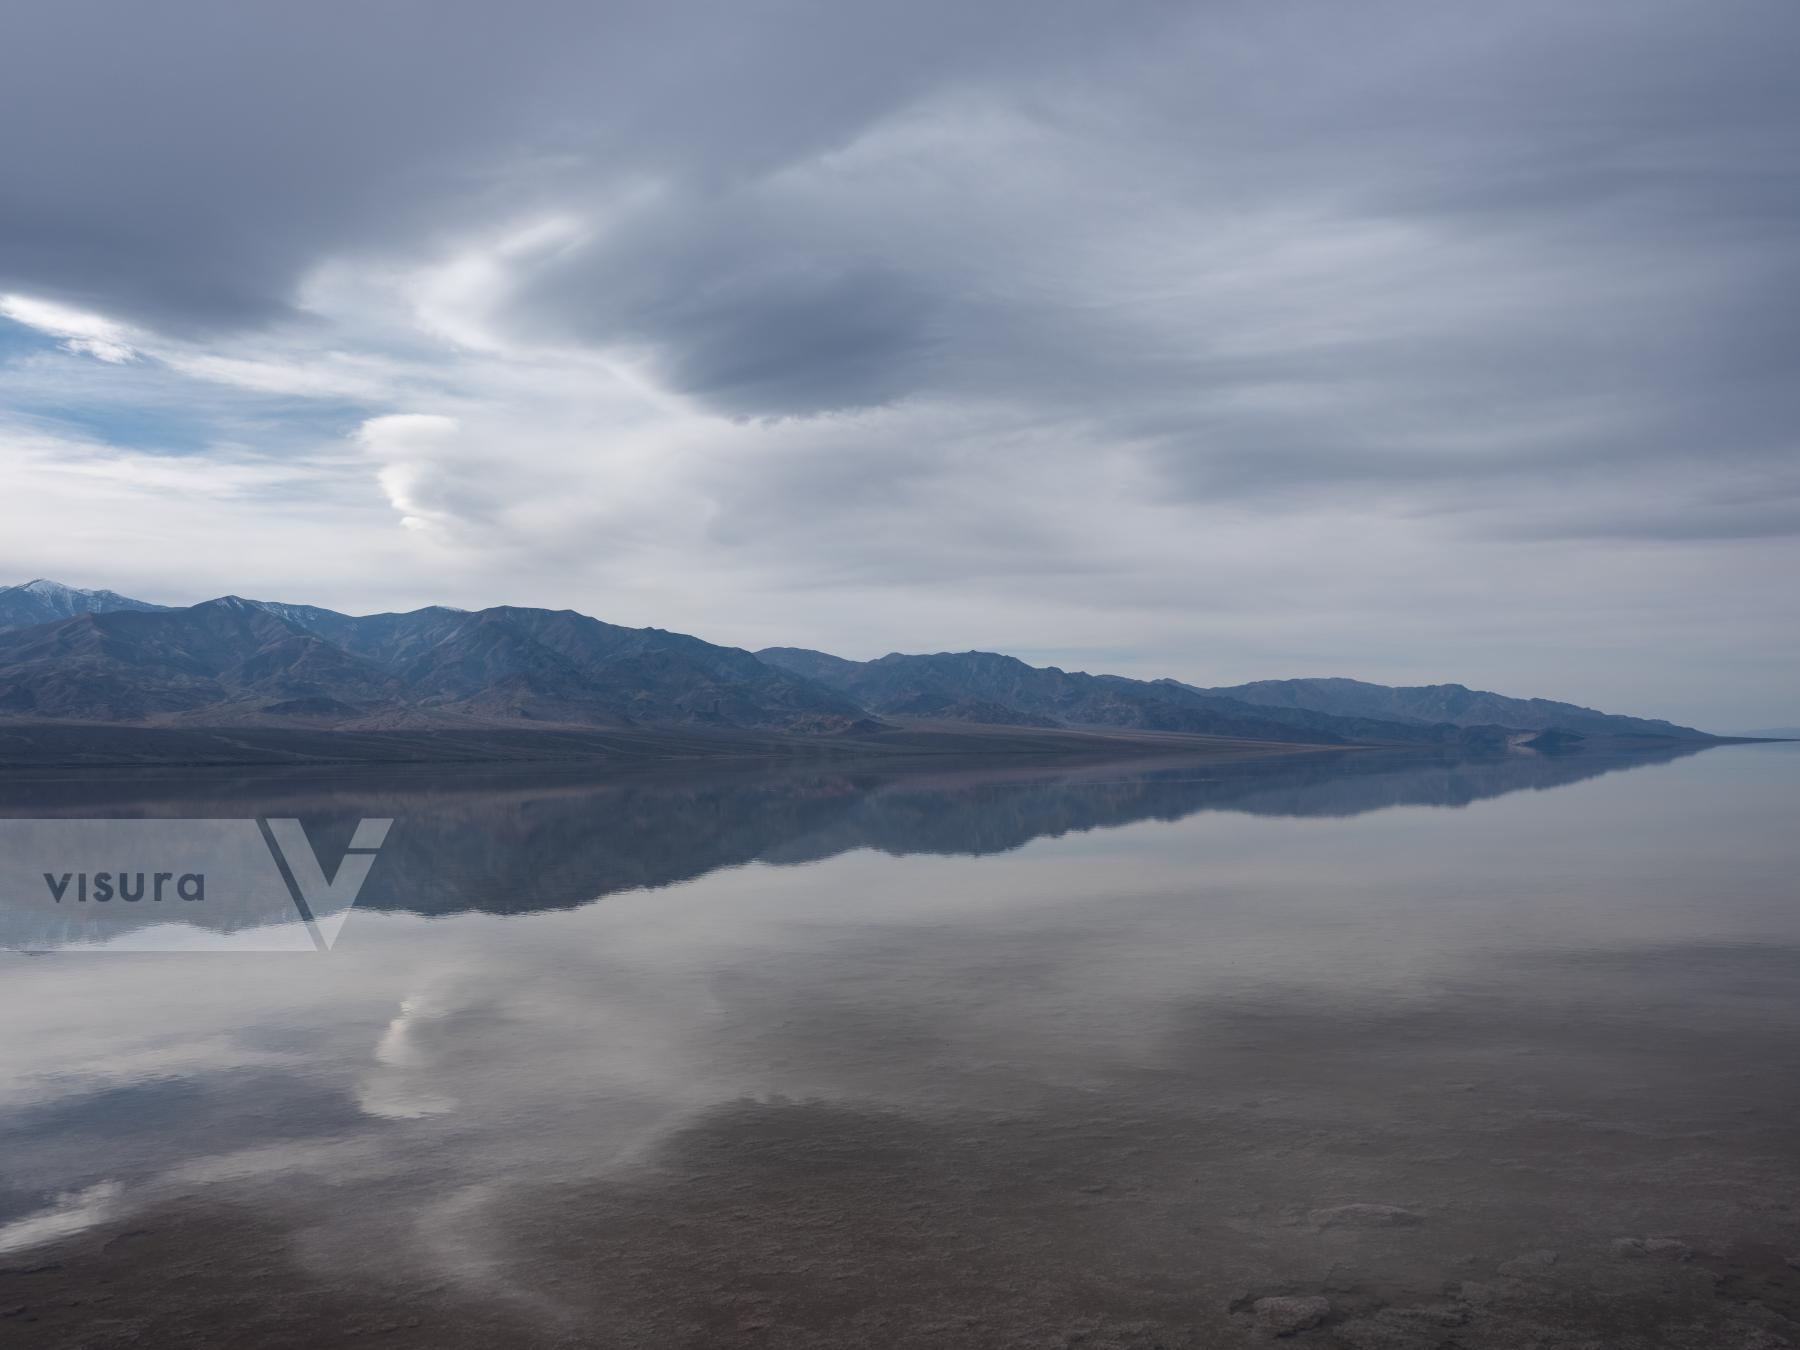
(1429, 1052)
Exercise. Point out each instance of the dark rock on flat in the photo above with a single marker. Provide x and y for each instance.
(1365, 1216)
(1668, 1249)
(1288, 1314)
(1427, 1315)
(1531, 1263)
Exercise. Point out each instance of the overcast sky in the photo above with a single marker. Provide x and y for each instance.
(1411, 341)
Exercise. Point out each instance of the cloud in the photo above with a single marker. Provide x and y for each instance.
(1223, 340)
(411, 449)
(86, 334)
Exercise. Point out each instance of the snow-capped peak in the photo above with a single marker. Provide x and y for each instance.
(46, 601)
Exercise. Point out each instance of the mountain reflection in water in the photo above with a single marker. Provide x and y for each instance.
(517, 840)
(972, 1056)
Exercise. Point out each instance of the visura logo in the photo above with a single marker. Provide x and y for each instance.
(130, 887)
(143, 884)
(314, 894)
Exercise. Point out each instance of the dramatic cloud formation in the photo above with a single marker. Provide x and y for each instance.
(1219, 340)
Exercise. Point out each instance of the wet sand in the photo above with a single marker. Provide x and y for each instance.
(1468, 1171)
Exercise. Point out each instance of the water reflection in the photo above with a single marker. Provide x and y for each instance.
(519, 840)
(982, 1074)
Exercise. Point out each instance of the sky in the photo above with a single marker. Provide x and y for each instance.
(1224, 340)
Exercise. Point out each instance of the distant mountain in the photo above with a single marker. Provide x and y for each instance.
(1438, 703)
(990, 688)
(235, 661)
(984, 687)
(560, 666)
(228, 663)
(43, 601)
(228, 657)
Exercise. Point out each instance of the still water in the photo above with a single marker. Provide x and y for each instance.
(1357, 1049)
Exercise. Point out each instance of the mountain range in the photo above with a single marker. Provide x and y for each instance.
(75, 656)
(47, 601)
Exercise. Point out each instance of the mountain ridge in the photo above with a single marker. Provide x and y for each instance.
(1435, 703)
(44, 601)
(946, 684)
(234, 661)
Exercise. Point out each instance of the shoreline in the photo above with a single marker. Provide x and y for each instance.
(46, 745)
(34, 746)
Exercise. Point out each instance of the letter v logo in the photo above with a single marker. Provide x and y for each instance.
(323, 904)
